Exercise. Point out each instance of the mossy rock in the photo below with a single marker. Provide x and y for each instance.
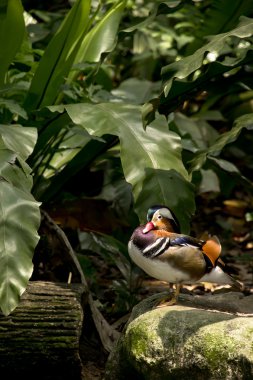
(182, 342)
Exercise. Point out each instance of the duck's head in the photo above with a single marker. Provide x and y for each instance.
(160, 217)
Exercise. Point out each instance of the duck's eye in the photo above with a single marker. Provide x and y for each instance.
(159, 217)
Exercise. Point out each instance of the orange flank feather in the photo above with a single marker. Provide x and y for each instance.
(212, 248)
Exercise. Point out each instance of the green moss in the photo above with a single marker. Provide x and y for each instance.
(138, 342)
(249, 334)
(218, 348)
(223, 348)
(139, 339)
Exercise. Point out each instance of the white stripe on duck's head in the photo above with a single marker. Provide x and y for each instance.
(160, 217)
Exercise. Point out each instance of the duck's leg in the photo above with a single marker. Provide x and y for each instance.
(171, 299)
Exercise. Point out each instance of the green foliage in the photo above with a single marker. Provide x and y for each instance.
(58, 58)
(20, 212)
(218, 17)
(198, 60)
(114, 253)
(12, 30)
(157, 151)
(245, 121)
(20, 216)
(101, 38)
(192, 73)
(81, 88)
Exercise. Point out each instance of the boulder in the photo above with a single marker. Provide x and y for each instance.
(186, 341)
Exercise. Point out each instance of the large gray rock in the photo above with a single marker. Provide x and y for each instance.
(185, 342)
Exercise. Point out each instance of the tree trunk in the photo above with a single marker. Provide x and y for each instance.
(40, 339)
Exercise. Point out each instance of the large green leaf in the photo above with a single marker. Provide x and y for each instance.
(101, 38)
(19, 221)
(12, 30)
(58, 58)
(19, 214)
(147, 155)
(19, 139)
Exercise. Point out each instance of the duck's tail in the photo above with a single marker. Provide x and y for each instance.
(218, 276)
(212, 249)
(235, 284)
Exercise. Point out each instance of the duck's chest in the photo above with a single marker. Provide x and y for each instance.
(154, 267)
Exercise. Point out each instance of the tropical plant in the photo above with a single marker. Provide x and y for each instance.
(81, 96)
(78, 38)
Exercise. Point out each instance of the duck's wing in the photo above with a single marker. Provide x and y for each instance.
(210, 248)
(185, 240)
(165, 241)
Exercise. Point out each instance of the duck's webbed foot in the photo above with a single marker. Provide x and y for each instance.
(171, 299)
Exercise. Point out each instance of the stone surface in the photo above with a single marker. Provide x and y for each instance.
(185, 342)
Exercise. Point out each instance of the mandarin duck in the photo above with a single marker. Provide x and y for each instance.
(164, 253)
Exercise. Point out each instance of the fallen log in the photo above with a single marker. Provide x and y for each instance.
(40, 339)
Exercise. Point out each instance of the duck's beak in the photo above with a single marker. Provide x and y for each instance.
(149, 226)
